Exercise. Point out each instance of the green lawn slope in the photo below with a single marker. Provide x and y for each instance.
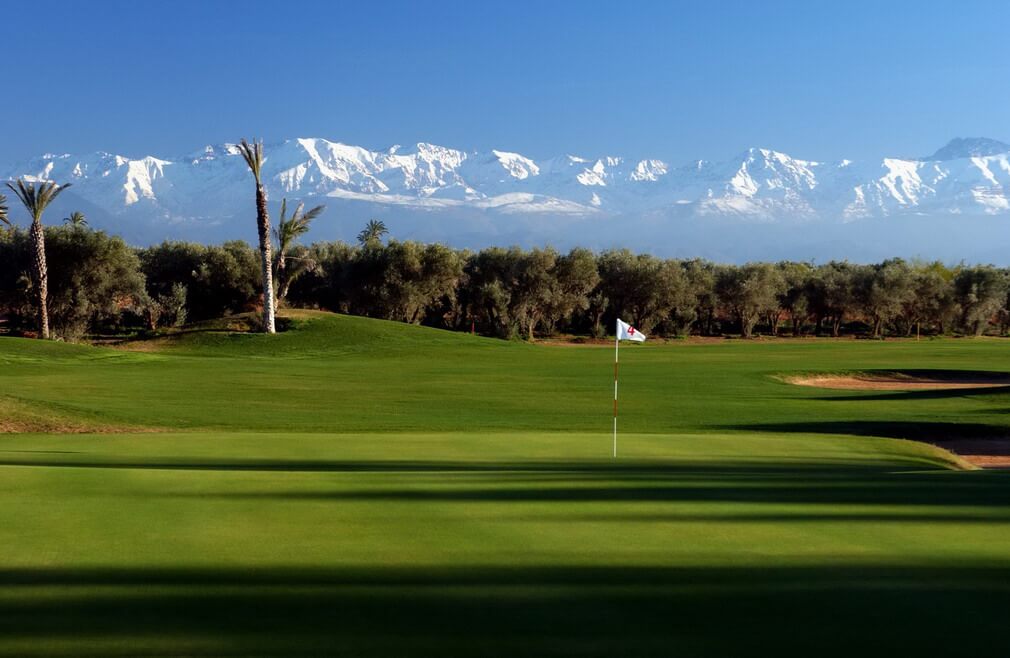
(358, 487)
(340, 374)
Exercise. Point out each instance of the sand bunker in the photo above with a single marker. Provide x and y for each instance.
(897, 381)
(982, 452)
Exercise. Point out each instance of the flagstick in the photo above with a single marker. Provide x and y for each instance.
(617, 345)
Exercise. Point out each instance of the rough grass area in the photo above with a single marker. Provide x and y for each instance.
(19, 417)
(356, 487)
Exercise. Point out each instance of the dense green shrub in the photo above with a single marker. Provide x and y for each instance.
(219, 280)
(98, 283)
(93, 278)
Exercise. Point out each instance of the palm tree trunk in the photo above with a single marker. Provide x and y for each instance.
(263, 224)
(41, 274)
(282, 284)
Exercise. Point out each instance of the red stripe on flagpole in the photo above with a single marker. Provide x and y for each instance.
(615, 388)
(617, 345)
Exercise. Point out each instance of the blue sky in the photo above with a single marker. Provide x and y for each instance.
(675, 80)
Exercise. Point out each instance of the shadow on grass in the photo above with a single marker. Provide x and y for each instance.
(823, 482)
(840, 610)
(235, 325)
(600, 468)
(843, 395)
(965, 439)
(967, 490)
(987, 516)
(916, 431)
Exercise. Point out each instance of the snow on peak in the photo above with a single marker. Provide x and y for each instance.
(516, 165)
(211, 152)
(965, 176)
(648, 170)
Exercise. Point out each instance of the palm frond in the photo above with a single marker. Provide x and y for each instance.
(76, 219)
(313, 213)
(253, 156)
(291, 228)
(299, 262)
(4, 218)
(373, 232)
(36, 197)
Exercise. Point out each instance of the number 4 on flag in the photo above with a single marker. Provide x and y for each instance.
(626, 332)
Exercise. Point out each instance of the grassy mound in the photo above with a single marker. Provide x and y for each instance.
(371, 488)
(332, 373)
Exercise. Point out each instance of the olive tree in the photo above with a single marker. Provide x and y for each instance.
(749, 292)
(981, 292)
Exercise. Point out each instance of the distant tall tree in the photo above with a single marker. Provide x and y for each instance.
(882, 291)
(701, 277)
(487, 297)
(751, 292)
(327, 285)
(253, 155)
(76, 219)
(403, 280)
(292, 262)
(932, 301)
(638, 287)
(372, 234)
(36, 197)
(532, 281)
(794, 298)
(980, 291)
(575, 277)
(831, 294)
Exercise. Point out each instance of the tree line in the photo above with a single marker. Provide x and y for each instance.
(75, 281)
(36, 196)
(97, 284)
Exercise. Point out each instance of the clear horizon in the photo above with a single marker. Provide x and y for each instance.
(659, 80)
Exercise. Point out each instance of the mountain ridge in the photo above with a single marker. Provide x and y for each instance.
(206, 192)
(969, 147)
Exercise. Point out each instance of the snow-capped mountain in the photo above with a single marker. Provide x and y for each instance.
(208, 193)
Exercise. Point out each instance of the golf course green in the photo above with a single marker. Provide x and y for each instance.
(368, 488)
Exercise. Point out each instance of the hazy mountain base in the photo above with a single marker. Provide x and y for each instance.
(676, 232)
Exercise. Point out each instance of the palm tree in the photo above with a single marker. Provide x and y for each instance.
(4, 219)
(289, 266)
(373, 232)
(253, 155)
(36, 197)
(76, 219)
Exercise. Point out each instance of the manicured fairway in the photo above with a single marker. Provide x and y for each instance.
(369, 488)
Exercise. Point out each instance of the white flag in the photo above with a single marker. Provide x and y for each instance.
(626, 332)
